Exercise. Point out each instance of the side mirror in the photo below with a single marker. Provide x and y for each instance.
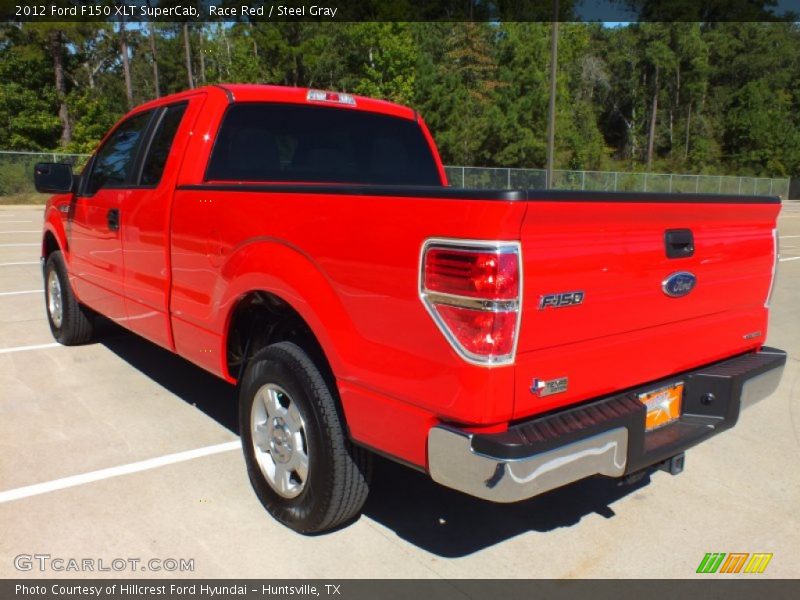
(53, 178)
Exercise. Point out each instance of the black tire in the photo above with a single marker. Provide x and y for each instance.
(338, 474)
(77, 322)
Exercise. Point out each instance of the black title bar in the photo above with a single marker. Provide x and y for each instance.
(199, 11)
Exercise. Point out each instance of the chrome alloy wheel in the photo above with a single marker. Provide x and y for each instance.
(279, 440)
(55, 305)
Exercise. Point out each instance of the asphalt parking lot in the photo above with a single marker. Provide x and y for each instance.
(120, 450)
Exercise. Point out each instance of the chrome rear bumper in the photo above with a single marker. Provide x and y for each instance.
(603, 437)
(455, 465)
(764, 385)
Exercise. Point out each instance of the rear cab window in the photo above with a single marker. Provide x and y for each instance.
(269, 142)
(161, 143)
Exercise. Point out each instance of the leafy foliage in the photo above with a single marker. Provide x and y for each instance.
(727, 95)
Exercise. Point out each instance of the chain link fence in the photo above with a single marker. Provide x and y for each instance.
(16, 178)
(16, 172)
(614, 181)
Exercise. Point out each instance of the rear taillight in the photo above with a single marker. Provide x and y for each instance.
(472, 289)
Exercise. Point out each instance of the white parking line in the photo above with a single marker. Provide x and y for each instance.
(21, 292)
(144, 465)
(1, 221)
(790, 258)
(26, 348)
(788, 237)
(17, 245)
(22, 231)
(14, 264)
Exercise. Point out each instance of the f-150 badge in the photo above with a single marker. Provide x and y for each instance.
(560, 300)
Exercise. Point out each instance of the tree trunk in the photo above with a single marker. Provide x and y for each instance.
(633, 141)
(652, 133)
(255, 45)
(677, 104)
(227, 50)
(202, 57)
(126, 66)
(92, 70)
(295, 40)
(551, 107)
(57, 51)
(188, 49)
(688, 129)
(670, 129)
(89, 74)
(151, 31)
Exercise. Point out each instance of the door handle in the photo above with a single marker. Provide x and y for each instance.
(113, 219)
(679, 243)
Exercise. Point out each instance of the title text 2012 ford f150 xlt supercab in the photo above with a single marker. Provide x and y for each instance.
(305, 246)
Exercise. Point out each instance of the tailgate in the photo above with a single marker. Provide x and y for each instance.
(622, 328)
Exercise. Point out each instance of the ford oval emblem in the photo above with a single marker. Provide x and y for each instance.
(679, 284)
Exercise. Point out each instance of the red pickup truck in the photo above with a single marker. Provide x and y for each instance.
(305, 246)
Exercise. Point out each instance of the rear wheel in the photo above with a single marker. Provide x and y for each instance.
(70, 322)
(303, 468)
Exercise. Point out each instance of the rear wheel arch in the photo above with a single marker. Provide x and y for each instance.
(292, 298)
(260, 318)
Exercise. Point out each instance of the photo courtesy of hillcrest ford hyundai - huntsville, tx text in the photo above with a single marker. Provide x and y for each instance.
(305, 246)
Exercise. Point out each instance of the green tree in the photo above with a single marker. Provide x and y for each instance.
(469, 69)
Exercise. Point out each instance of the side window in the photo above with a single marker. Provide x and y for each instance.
(114, 160)
(160, 146)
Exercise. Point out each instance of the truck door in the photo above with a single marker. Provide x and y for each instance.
(96, 261)
(146, 226)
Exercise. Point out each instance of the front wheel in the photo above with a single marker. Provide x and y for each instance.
(70, 322)
(302, 466)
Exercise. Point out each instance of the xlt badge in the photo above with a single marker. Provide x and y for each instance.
(561, 300)
(541, 388)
